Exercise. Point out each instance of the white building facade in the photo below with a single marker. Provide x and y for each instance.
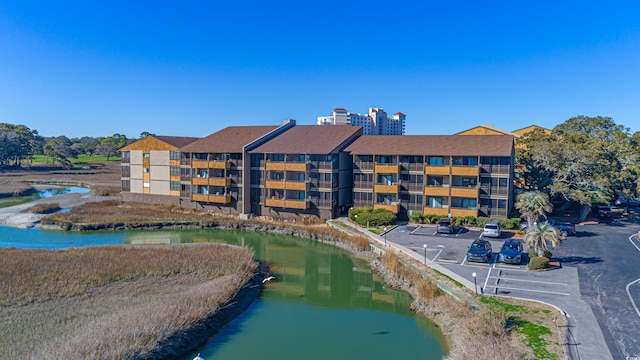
(376, 122)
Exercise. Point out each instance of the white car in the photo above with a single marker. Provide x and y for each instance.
(492, 229)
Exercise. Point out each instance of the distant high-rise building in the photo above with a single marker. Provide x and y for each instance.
(376, 122)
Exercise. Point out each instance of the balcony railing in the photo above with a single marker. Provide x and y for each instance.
(494, 190)
(387, 189)
(466, 192)
(441, 211)
(387, 168)
(364, 166)
(465, 170)
(363, 185)
(436, 191)
(393, 207)
(496, 169)
(437, 170)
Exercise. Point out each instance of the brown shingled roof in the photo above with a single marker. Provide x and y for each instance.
(177, 141)
(310, 139)
(228, 140)
(483, 145)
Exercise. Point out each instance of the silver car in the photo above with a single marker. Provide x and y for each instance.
(492, 229)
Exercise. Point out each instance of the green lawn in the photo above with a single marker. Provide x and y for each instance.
(83, 158)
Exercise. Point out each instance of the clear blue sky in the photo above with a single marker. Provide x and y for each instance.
(190, 68)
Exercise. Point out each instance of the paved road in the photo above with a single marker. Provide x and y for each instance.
(607, 258)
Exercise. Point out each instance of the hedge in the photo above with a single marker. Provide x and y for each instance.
(370, 217)
(538, 263)
(469, 221)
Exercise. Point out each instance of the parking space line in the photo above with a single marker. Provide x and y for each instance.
(529, 290)
(631, 297)
(531, 281)
(438, 254)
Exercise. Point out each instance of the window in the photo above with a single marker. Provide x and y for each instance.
(174, 170)
(436, 161)
(437, 180)
(145, 170)
(126, 171)
(415, 199)
(174, 155)
(174, 185)
(126, 185)
(434, 202)
(146, 155)
(465, 161)
(146, 184)
(464, 203)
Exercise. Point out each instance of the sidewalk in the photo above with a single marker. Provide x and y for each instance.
(583, 337)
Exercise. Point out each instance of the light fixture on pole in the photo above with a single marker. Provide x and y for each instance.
(475, 282)
(385, 236)
(356, 217)
(425, 253)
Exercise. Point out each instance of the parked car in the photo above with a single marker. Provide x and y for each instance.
(445, 226)
(564, 228)
(511, 252)
(492, 229)
(604, 212)
(480, 251)
(624, 201)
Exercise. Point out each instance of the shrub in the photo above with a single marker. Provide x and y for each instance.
(377, 217)
(417, 216)
(533, 253)
(44, 208)
(482, 221)
(538, 262)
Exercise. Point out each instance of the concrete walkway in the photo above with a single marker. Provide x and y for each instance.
(583, 336)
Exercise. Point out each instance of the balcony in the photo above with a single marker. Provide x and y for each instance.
(436, 211)
(175, 178)
(220, 181)
(496, 169)
(174, 162)
(296, 185)
(274, 202)
(274, 184)
(220, 199)
(220, 164)
(393, 207)
(436, 191)
(437, 170)
(463, 212)
(297, 204)
(302, 167)
(465, 192)
(200, 181)
(201, 164)
(387, 168)
(200, 197)
(387, 189)
(274, 165)
(465, 170)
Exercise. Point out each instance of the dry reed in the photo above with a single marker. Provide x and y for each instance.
(111, 302)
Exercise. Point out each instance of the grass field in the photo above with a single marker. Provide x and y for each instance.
(81, 159)
(112, 302)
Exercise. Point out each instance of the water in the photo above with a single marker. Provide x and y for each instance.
(45, 193)
(323, 304)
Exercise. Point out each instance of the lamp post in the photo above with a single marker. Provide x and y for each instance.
(385, 236)
(425, 253)
(475, 282)
(356, 217)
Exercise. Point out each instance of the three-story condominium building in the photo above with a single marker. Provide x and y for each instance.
(441, 175)
(148, 168)
(291, 170)
(303, 171)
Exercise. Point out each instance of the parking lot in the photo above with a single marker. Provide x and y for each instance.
(494, 277)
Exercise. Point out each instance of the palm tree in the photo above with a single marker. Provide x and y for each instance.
(532, 205)
(541, 235)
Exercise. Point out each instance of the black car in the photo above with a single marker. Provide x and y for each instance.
(604, 212)
(511, 252)
(480, 251)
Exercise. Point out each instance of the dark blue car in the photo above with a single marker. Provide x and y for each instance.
(511, 252)
(480, 250)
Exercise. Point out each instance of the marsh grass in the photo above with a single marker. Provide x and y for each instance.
(44, 208)
(112, 302)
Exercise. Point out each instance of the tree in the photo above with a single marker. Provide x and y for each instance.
(17, 143)
(59, 148)
(588, 159)
(533, 176)
(144, 134)
(540, 236)
(532, 205)
(107, 149)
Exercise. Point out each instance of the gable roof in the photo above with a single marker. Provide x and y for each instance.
(529, 129)
(482, 145)
(486, 129)
(155, 142)
(310, 139)
(231, 139)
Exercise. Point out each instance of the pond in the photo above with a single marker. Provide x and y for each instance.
(324, 303)
(44, 193)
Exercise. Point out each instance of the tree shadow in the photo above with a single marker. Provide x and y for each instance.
(575, 260)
